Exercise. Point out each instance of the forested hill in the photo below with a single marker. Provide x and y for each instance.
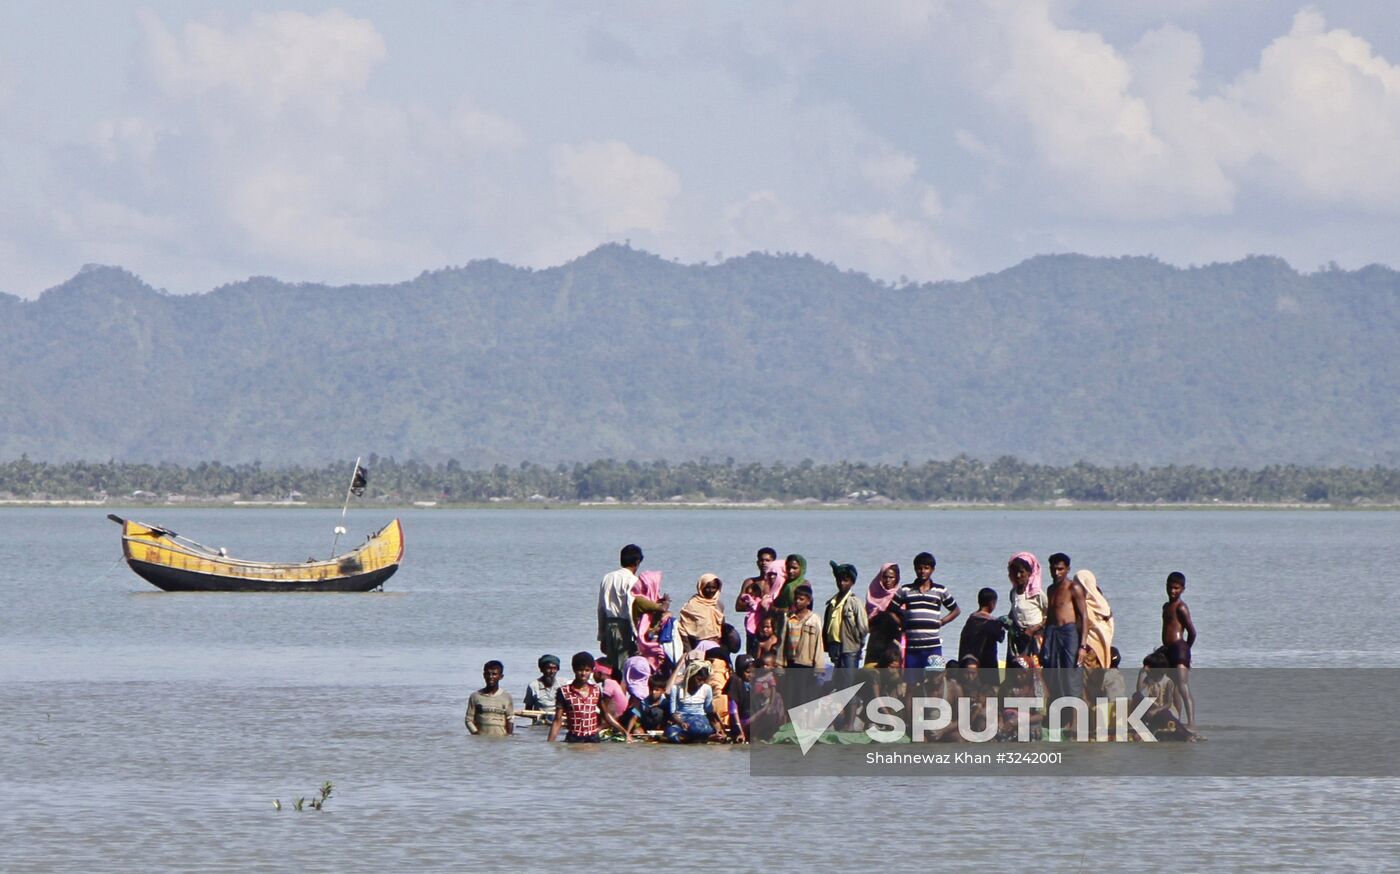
(623, 354)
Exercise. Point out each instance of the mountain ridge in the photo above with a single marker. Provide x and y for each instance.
(760, 357)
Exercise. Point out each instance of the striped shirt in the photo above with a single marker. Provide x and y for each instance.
(923, 614)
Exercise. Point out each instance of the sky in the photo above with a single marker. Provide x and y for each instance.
(198, 143)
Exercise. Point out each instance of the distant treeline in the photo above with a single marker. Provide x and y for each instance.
(962, 479)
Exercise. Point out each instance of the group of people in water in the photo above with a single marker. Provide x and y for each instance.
(690, 676)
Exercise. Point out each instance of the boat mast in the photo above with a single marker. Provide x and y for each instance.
(340, 529)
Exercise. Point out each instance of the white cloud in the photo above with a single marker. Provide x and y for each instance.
(887, 243)
(128, 137)
(611, 188)
(1096, 137)
(873, 26)
(930, 204)
(927, 138)
(884, 243)
(975, 146)
(1130, 135)
(1322, 112)
(485, 130)
(761, 221)
(281, 155)
(279, 60)
(288, 214)
(889, 172)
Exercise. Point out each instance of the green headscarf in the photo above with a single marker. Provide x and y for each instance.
(785, 597)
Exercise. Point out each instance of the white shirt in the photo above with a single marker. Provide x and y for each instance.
(1028, 612)
(615, 596)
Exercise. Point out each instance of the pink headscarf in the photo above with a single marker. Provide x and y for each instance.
(1032, 587)
(758, 607)
(878, 598)
(779, 567)
(636, 671)
(648, 585)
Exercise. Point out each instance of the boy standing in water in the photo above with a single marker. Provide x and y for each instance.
(1178, 636)
(490, 709)
(580, 707)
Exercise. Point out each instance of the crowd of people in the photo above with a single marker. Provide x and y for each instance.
(690, 675)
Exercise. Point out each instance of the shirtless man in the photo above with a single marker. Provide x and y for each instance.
(1178, 636)
(1064, 633)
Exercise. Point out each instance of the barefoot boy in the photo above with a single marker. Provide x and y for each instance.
(1178, 636)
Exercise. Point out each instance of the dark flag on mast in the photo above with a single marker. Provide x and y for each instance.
(357, 485)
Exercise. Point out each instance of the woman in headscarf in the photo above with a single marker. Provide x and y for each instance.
(649, 586)
(1028, 607)
(693, 717)
(1098, 624)
(795, 573)
(885, 628)
(636, 672)
(796, 567)
(702, 617)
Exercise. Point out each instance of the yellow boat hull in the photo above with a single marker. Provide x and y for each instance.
(175, 564)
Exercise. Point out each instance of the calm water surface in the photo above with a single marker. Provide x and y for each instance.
(140, 729)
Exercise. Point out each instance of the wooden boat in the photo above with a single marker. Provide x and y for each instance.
(178, 564)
